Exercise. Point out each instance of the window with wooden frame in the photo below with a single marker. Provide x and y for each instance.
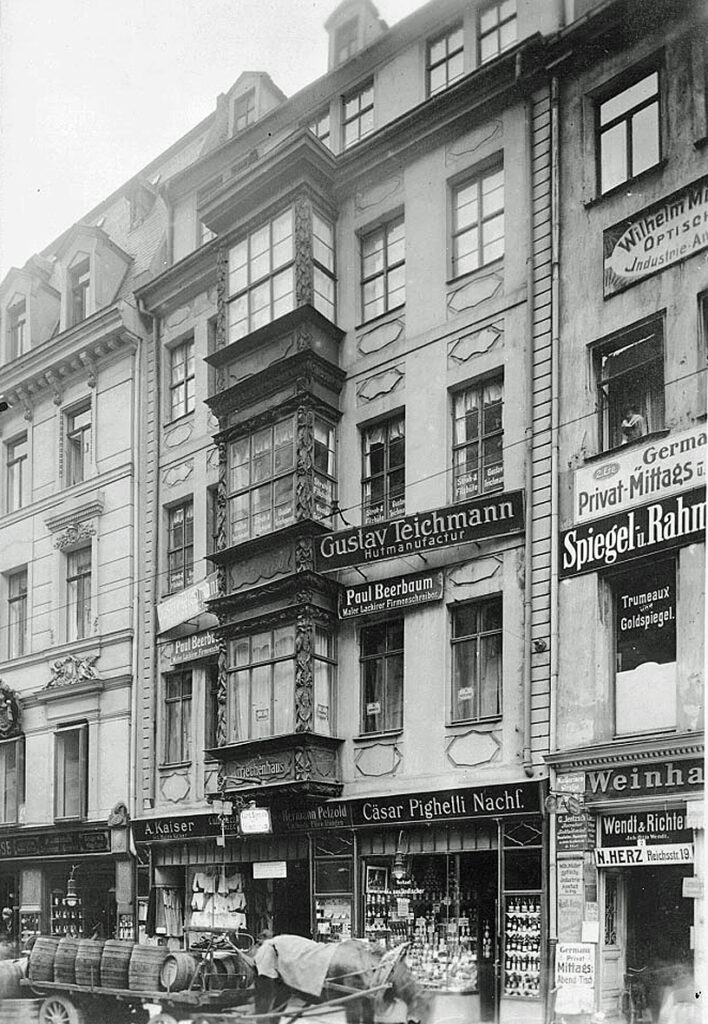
(79, 283)
(478, 439)
(12, 779)
(477, 660)
(383, 269)
(357, 115)
(477, 221)
(628, 131)
(16, 473)
(446, 60)
(261, 276)
(244, 110)
(180, 546)
(178, 717)
(383, 483)
(16, 329)
(381, 664)
(78, 593)
(77, 443)
(17, 613)
(497, 29)
(71, 771)
(629, 370)
(320, 128)
(182, 379)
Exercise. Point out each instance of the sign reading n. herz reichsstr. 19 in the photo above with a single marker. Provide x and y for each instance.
(492, 515)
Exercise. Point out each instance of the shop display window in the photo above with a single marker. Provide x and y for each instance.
(334, 879)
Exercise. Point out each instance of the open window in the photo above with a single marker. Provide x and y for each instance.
(629, 369)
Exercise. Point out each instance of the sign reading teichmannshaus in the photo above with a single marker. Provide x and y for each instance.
(650, 471)
(665, 233)
(479, 519)
(648, 529)
(393, 592)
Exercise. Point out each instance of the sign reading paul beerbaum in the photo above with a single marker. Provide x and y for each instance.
(479, 519)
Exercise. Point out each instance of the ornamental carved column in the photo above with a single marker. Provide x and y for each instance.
(302, 216)
(304, 667)
(222, 679)
(222, 279)
(305, 463)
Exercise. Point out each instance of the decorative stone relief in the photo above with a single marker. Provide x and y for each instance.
(72, 669)
(324, 762)
(472, 748)
(118, 818)
(212, 423)
(384, 383)
(250, 571)
(470, 143)
(222, 682)
(475, 344)
(304, 466)
(9, 712)
(380, 337)
(474, 292)
(75, 533)
(304, 555)
(477, 570)
(372, 197)
(178, 474)
(178, 316)
(302, 216)
(377, 760)
(304, 647)
(178, 435)
(174, 786)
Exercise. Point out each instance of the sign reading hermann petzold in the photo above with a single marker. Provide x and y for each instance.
(665, 233)
(479, 519)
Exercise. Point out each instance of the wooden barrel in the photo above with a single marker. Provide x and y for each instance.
(177, 971)
(223, 972)
(65, 961)
(11, 973)
(88, 962)
(115, 962)
(41, 964)
(145, 967)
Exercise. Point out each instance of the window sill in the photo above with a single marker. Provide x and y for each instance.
(453, 282)
(492, 720)
(178, 419)
(171, 765)
(654, 435)
(364, 737)
(623, 186)
(381, 318)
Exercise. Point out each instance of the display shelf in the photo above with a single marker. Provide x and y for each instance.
(66, 920)
(522, 945)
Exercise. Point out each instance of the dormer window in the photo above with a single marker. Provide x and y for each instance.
(16, 329)
(79, 281)
(345, 41)
(244, 110)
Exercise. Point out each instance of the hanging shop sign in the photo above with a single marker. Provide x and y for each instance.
(575, 832)
(255, 821)
(664, 233)
(394, 592)
(659, 778)
(55, 844)
(655, 470)
(188, 604)
(183, 826)
(669, 523)
(650, 827)
(194, 647)
(644, 856)
(480, 519)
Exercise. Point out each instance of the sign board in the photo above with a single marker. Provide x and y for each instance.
(664, 233)
(492, 515)
(187, 604)
(55, 843)
(570, 892)
(183, 826)
(271, 869)
(652, 827)
(657, 778)
(574, 832)
(575, 977)
(695, 814)
(394, 592)
(654, 470)
(645, 530)
(643, 856)
(255, 821)
(692, 888)
(191, 648)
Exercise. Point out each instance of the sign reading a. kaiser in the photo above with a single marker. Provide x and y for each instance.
(492, 515)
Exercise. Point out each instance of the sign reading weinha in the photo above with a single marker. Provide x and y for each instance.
(392, 593)
(663, 234)
(476, 520)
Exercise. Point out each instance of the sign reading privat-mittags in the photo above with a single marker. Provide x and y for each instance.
(663, 234)
(492, 515)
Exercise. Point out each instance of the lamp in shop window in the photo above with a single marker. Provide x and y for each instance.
(400, 867)
(71, 899)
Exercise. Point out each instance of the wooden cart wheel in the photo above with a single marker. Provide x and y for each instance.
(58, 1009)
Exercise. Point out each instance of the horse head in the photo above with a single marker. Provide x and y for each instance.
(419, 1001)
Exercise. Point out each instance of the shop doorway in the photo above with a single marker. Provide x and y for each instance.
(291, 901)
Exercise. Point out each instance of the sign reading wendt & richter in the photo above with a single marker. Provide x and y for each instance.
(646, 530)
(492, 515)
(654, 470)
(394, 592)
(665, 233)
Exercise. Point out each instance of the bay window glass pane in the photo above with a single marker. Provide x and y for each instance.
(238, 267)
(645, 139)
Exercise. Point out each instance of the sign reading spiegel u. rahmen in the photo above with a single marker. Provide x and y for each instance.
(489, 516)
(665, 233)
(393, 592)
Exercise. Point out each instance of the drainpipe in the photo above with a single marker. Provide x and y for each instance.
(527, 761)
(555, 355)
(137, 447)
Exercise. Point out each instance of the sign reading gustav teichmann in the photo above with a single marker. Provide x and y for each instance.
(480, 519)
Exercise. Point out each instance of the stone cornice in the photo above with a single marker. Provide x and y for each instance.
(302, 316)
(74, 351)
(247, 602)
(93, 506)
(305, 528)
(636, 750)
(194, 274)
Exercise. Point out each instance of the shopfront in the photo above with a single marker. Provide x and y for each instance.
(458, 874)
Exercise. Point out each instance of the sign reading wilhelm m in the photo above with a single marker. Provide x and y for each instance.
(479, 519)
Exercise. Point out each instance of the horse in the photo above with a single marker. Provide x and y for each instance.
(289, 965)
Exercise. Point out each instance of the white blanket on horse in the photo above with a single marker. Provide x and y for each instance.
(299, 962)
